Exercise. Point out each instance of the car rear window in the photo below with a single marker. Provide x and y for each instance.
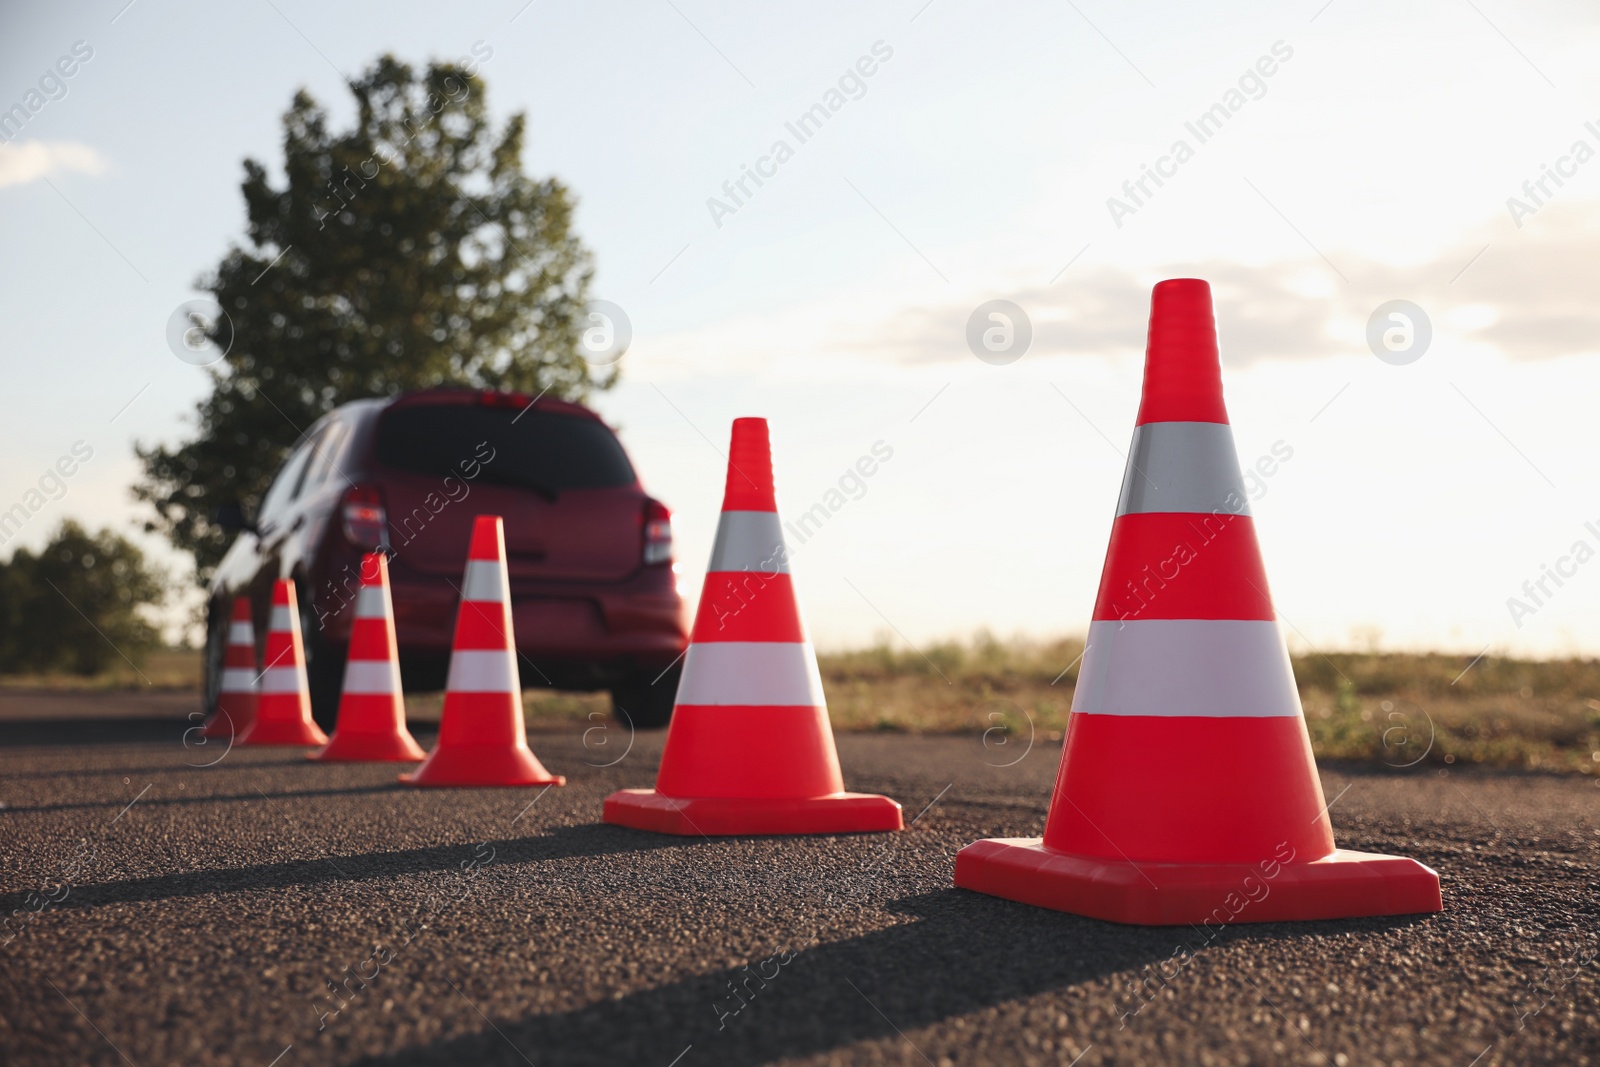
(532, 448)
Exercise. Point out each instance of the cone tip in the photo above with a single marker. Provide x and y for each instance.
(282, 593)
(374, 569)
(1181, 287)
(488, 538)
(1182, 372)
(241, 609)
(749, 486)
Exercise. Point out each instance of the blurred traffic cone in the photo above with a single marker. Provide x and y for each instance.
(372, 713)
(750, 748)
(1187, 791)
(283, 709)
(482, 738)
(236, 699)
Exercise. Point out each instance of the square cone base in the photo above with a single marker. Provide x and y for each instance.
(225, 723)
(1342, 885)
(386, 747)
(481, 765)
(278, 732)
(836, 813)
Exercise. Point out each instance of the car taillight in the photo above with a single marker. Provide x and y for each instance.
(657, 532)
(490, 398)
(366, 524)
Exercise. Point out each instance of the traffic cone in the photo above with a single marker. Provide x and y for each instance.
(482, 738)
(750, 748)
(283, 709)
(1187, 791)
(236, 699)
(372, 713)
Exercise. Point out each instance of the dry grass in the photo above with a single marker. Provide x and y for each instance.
(953, 687)
(1393, 708)
(541, 707)
(1532, 714)
(166, 668)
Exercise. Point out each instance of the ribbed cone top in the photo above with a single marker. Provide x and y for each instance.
(375, 569)
(1182, 374)
(749, 468)
(488, 539)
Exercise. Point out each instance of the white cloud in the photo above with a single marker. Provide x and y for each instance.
(1526, 292)
(26, 161)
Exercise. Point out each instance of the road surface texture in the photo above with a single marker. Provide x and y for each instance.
(264, 910)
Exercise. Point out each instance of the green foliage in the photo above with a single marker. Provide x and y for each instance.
(74, 607)
(407, 252)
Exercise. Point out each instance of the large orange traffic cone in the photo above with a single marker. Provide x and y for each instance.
(236, 699)
(372, 712)
(283, 709)
(1187, 791)
(750, 749)
(482, 737)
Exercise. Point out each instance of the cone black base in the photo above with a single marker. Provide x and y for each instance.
(837, 813)
(1343, 885)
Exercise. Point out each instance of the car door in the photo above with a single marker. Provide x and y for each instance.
(314, 503)
(277, 521)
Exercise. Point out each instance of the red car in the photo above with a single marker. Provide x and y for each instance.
(594, 596)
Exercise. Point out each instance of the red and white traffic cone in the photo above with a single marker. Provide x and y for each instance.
(372, 711)
(236, 699)
(283, 709)
(482, 736)
(1187, 791)
(750, 748)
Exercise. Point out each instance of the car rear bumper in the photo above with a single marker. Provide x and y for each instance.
(644, 626)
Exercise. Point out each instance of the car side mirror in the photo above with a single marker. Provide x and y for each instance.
(230, 516)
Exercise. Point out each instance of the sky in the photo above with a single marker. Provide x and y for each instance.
(992, 154)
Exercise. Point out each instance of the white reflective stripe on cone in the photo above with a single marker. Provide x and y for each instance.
(749, 541)
(238, 680)
(281, 680)
(241, 633)
(766, 673)
(485, 580)
(1219, 668)
(483, 671)
(370, 602)
(371, 676)
(281, 620)
(1185, 467)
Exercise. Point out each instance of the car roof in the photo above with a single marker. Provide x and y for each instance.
(486, 397)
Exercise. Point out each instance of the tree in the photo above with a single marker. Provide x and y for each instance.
(407, 252)
(75, 606)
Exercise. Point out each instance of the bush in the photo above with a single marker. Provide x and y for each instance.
(75, 606)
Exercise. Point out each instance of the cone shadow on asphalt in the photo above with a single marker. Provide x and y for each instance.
(965, 952)
(565, 842)
(77, 732)
(81, 774)
(170, 734)
(214, 798)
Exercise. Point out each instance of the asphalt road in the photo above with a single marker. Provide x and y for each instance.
(206, 915)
